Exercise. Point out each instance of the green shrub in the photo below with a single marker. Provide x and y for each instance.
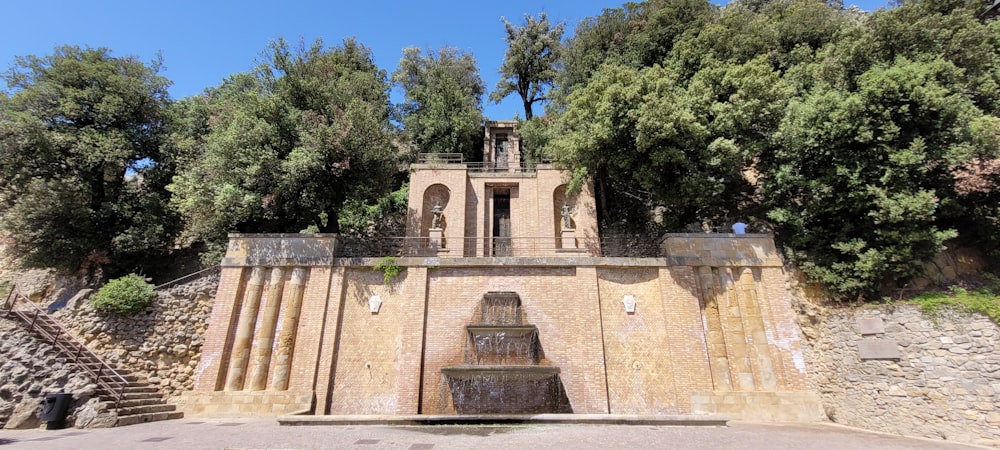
(388, 267)
(126, 295)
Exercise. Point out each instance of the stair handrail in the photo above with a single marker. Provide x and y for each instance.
(191, 276)
(74, 348)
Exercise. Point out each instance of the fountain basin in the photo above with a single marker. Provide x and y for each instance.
(508, 389)
(497, 344)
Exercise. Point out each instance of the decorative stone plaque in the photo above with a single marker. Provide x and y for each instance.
(374, 304)
(871, 325)
(869, 349)
(629, 302)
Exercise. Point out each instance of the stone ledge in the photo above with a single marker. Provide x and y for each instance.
(555, 261)
(760, 406)
(582, 419)
(243, 404)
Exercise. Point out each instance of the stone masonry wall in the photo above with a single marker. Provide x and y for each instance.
(31, 368)
(161, 344)
(944, 385)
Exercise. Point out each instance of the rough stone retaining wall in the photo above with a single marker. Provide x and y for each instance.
(944, 385)
(161, 344)
(31, 368)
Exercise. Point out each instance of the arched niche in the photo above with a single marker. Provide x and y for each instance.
(435, 194)
(559, 197)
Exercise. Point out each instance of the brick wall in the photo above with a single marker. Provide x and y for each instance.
(694, 327)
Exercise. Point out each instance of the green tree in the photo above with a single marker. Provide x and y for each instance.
(287, 145)
(443, 107)
(82, 172)
(529, 66)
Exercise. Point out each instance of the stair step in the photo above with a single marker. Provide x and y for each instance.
(151, 417)
(145, 409)
(131, 403)
(140, 395)
(132, 389)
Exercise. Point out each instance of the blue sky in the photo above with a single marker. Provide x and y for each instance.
(204, 41)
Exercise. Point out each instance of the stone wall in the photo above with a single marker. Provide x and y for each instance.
(945, 383)
(161, 344)
(31, 368)
(359, 359)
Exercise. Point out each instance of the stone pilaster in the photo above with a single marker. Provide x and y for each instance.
(244, 331)
(289, 328)
(265, 333)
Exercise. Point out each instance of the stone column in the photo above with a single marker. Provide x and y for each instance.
(715, 337)
(244, 331)
(265, 335)
(289, 328)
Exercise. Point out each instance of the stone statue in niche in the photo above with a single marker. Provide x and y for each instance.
(565, 216)
(436, 212)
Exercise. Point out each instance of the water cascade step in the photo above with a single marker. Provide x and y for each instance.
(503, 372)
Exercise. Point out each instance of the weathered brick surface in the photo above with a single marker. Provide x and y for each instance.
(210, 373)
(316, 306)
(783, 333)
(560, 301)
(639, 365)
(685, 333)
(325, 328)
(695, 328)
(377, 362)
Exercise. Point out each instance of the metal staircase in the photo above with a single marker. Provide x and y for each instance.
(134, 401)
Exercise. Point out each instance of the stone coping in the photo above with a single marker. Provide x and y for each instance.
(554, 261)
(712, 420)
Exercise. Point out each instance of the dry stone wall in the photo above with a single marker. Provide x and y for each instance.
(945, 383)
(161, 344)
(31, 368)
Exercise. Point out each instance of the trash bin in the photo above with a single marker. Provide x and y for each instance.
(54, 409)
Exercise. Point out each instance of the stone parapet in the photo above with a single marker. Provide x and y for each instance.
(280, 250)
(720, 249)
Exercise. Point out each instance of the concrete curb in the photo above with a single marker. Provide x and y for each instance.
(591, 419)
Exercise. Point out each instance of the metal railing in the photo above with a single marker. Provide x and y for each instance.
(491, 167)
(610, 246)
(106, 377)
(191, 276)
(439, 158)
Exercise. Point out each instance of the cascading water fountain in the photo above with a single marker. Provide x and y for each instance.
(502, 373)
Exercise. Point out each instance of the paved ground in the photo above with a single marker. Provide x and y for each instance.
(266, 433)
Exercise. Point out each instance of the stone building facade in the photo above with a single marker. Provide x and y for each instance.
(711, 330)
(502, 206)
(705, 327)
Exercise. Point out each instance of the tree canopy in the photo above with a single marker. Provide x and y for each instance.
(845, 134)
(81, 164)
(443, 107)
(285, 146)
(530, 63)
(864, 141)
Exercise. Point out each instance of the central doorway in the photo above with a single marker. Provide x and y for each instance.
(501, 223)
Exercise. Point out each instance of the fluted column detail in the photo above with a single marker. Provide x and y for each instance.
(289, 328)
(244, 331)
(265, 333)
